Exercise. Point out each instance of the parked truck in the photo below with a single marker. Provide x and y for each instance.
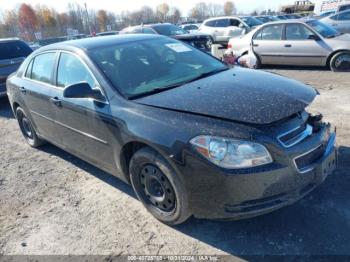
(298, 7)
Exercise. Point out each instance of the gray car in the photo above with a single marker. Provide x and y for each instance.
(340, 21)
(296, 42)
(12, 53)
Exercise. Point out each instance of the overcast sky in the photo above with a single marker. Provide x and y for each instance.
(120, 5)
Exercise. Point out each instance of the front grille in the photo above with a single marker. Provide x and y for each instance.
(294, 136)
(305, 161)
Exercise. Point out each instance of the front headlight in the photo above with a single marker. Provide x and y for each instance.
(231, 153)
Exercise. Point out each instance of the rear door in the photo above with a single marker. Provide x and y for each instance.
(81, 122)
(303, 47)
(268, 44)
(36, 90)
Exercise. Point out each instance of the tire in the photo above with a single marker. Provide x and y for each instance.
(158, 187)
(340, 62)
(27, 129)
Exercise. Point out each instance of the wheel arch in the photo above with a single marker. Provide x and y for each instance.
(331, 55)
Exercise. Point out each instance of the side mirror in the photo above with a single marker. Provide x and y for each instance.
(314, 37)
(81, 90)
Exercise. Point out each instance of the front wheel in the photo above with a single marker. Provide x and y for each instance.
(27, 129)
(158, 187)
(340, 62)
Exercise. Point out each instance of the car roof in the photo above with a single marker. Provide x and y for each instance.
(291, 21)
(222, 17)
(98, 42)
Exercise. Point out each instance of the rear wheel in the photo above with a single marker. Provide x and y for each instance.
(340, 62)
(158, 187)
(27, 129)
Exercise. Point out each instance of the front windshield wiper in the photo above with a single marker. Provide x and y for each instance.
(168, 87)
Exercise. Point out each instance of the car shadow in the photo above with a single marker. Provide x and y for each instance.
(5, 108)
(316, 225)
(92, 170)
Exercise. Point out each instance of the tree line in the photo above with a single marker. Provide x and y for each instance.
(40, 21)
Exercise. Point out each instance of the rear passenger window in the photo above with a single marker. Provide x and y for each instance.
(42, 67)
(210, 23)
(222, 23)
(72, 71)
(272, 32)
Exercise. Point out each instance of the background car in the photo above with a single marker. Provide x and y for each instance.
(265, 18)
(199, 40)
(12, 53)
(223, 28)
(340, 21)
(107, 33)
(191, 28)
(296, 42)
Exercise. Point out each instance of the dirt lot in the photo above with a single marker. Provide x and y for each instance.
(53, 203)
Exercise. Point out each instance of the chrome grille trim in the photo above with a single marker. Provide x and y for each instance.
(298, 138)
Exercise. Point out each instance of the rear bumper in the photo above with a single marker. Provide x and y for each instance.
(219, 195)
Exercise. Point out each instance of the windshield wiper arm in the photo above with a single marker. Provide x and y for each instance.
(154, 91)
(158, 90)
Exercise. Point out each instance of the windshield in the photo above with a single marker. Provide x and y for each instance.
(251, 21)
(169, 30)
(14, 49)
(323, 29)
(141, 67)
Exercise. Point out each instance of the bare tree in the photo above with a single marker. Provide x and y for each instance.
(199, 11)
(229, 8)
(215, 10)
(162, 11)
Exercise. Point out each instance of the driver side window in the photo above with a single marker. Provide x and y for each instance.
(72, 71)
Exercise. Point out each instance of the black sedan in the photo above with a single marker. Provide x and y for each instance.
(198, 40)
(192, 136)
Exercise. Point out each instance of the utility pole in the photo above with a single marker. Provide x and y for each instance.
(88, 19)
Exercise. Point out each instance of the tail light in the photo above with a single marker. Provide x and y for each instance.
(229, 46)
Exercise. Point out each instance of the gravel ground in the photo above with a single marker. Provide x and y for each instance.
(53, 203)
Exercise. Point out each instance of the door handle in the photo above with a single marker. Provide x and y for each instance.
(56, 101)
(287, 45)
(23, 90)
(255, 45)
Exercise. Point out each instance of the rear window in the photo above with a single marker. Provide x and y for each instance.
(14, 49)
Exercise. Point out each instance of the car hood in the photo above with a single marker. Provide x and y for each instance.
(241, 95)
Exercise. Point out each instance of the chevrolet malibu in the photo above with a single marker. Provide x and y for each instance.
(192, 136)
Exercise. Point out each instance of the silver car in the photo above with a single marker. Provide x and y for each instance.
(296, 42)
(340, 21)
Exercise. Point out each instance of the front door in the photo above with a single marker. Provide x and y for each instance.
(81, 122)
(302, 46)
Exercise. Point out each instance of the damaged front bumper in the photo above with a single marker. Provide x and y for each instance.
(223, 194)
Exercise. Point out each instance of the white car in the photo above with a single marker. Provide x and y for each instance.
(223, 28)
(191, 28)
(296, 42)
(340, 21)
